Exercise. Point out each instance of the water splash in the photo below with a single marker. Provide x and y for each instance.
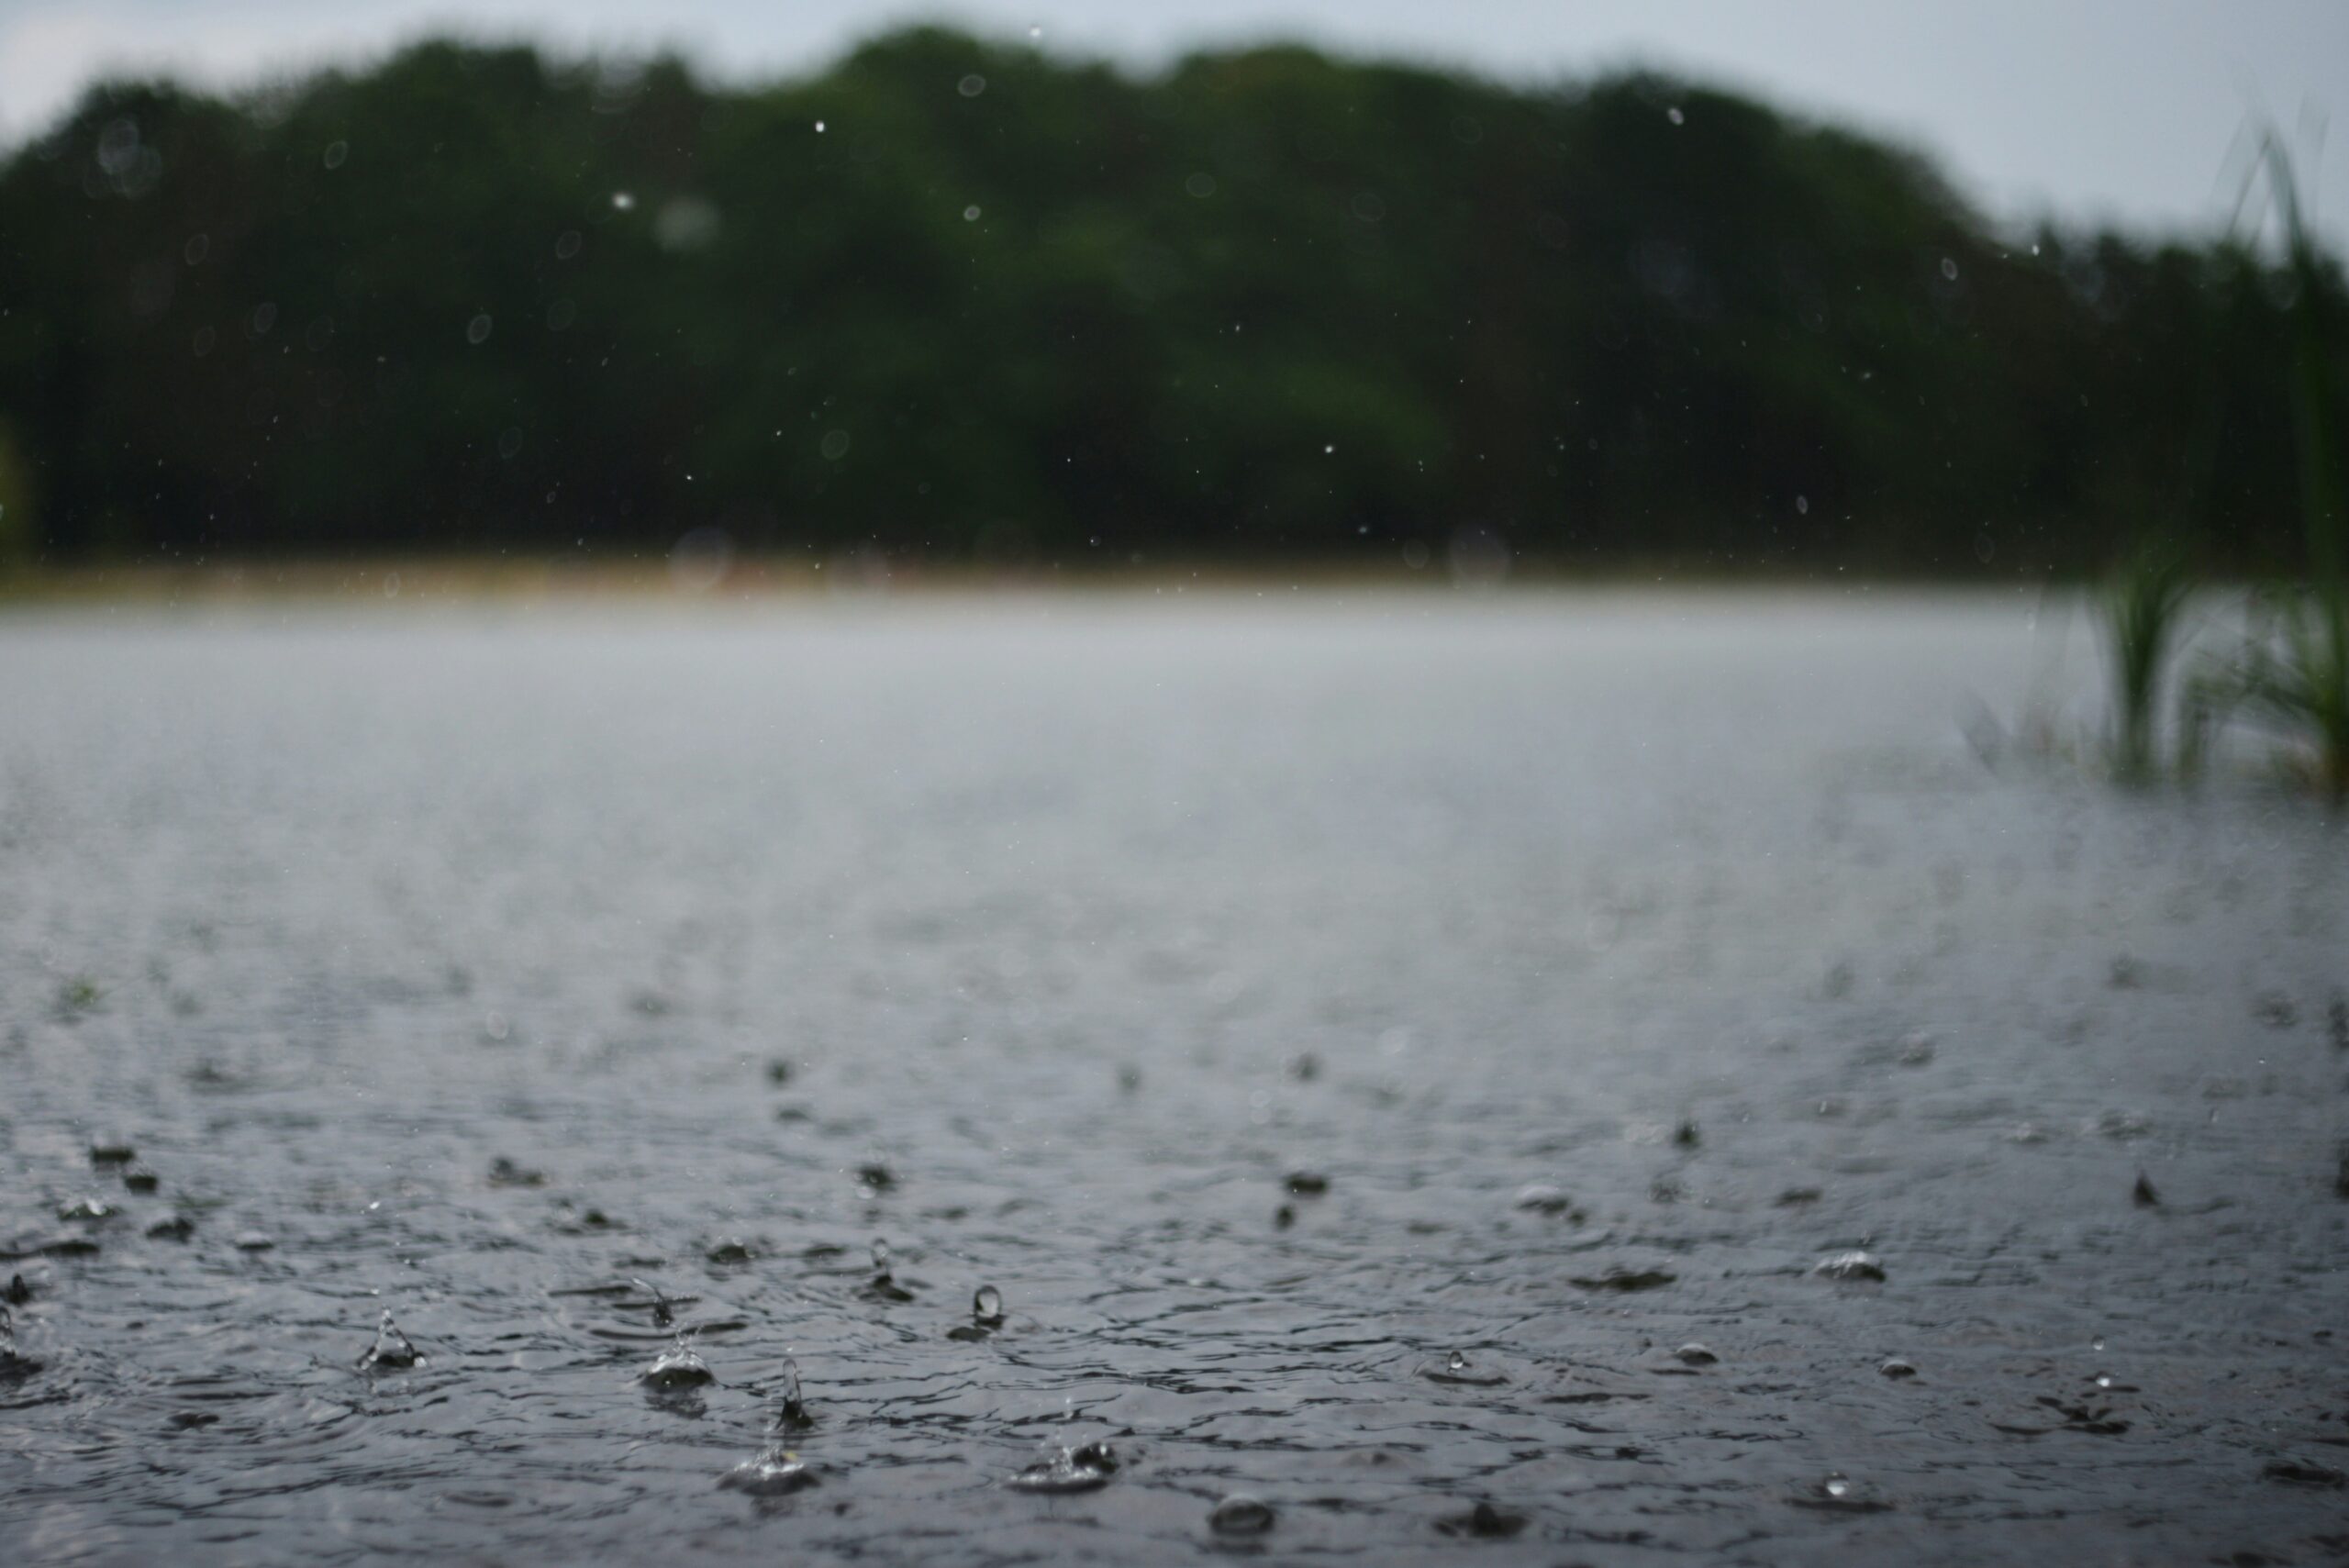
(775, 1471)
(679, 1366)
(392, 1351)
(1084, 1468)
(791, 1408)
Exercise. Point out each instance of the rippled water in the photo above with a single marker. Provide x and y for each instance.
(1370, 1047)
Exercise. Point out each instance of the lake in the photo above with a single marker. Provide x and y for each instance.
(1400, 1057)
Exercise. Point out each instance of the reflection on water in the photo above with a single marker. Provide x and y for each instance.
(1373, 1075)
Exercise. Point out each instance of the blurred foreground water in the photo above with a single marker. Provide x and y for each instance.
(1400, 1062)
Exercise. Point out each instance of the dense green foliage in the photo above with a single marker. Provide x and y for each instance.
(974, 302)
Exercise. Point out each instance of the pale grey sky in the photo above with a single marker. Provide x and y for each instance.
(2094, 109)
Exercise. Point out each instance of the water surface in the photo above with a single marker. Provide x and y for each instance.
(474, 963)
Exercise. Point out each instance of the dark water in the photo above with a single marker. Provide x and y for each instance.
(1077, 930)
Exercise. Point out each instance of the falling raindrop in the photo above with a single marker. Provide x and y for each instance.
(971, 86)
(1949, 269)
(1675, 115)
(986, 1305)
(622, 200)
(971, 213)
(477, 329)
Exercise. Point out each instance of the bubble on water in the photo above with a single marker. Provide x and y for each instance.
(477, 329)
(1839, 1493)
(986, 1304)
(1695, 1354)
(971, 86)
(1082, 1468)
(1458, 1368)
(392, 1351)
(1897, 1368)
(1852, 1266)
(1241, 1514)
(728, 1250)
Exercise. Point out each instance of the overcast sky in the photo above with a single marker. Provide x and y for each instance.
(2093, 109)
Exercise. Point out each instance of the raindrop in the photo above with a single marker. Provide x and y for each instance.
(819, 128)
(335, 152)
(477, 329)
(880, 1259)
(986, 1305)
(1675, 115)
(971, 86)
(1329, 451)
(971, 213)
(1201, 185)
(622, 201)
(834, 445)
(1802, 505)
(1036, 33)
(567, 245)
(1949, 269)
(197, 247)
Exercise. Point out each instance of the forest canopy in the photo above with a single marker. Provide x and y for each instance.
(966, 301)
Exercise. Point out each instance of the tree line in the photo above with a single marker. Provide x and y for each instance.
(969, 301)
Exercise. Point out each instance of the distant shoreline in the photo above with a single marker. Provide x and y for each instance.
(751, 578)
